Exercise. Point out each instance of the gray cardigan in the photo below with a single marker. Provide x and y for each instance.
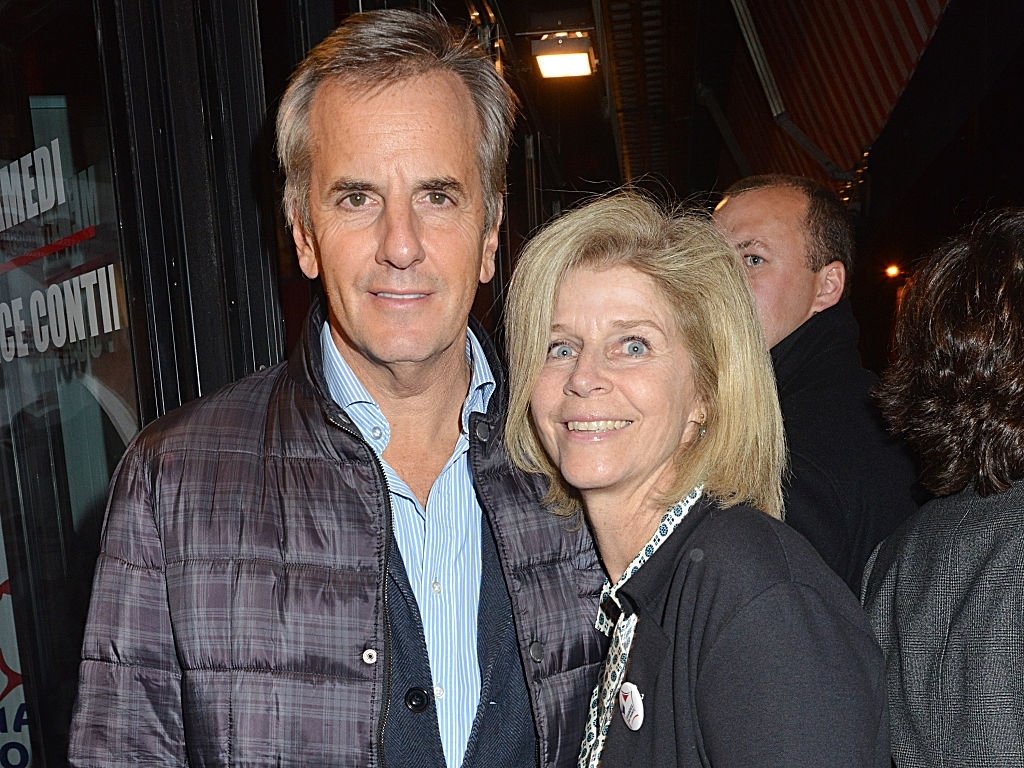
(945, 595)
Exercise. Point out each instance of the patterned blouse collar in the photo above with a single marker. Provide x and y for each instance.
(610, 608)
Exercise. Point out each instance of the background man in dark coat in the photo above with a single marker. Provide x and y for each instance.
(850, 484)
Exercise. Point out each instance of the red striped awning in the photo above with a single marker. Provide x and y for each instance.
(840, 67)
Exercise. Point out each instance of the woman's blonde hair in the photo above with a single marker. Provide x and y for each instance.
(741, 456)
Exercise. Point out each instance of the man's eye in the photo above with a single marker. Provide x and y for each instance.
(752, 260)
(635, 347)
(560, 351)
(437, 198)
(355, 199)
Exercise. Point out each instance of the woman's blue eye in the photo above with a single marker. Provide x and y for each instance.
(636, 347)
(560, 351)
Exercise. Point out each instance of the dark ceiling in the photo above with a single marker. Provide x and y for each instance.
(910, 109)
(633, 119)
(680, 99)
(690, 94)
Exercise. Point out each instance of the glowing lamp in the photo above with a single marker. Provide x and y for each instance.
(564, 54)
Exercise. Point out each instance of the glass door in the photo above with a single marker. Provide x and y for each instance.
(68, 402)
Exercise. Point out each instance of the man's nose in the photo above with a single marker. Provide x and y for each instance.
(401, 245)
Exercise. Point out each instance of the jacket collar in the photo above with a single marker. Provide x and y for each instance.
(831, 332)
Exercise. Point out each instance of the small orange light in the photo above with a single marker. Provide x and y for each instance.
(893, 270)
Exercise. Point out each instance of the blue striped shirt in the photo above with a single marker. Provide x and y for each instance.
(440, 544)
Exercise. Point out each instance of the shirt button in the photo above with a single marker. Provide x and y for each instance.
(376, 433)
(417, 700)
(435, 587)
(438, 692)
(370, 656)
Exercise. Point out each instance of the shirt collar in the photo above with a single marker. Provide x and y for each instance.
(610, 608)
(347, 390)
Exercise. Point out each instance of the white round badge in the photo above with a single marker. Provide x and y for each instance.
(631, 704)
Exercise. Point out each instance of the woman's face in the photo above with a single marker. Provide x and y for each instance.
(616, 396)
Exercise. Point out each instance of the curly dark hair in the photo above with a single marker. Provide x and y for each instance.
(955, 389)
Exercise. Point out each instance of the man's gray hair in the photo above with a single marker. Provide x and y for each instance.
(372, 50)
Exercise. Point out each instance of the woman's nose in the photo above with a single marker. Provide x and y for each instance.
(589, 376)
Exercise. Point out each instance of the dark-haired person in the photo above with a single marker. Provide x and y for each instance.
(331, 562)
(849, 484)
(946, 592)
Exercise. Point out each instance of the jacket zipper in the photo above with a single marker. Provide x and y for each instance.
(385, 656)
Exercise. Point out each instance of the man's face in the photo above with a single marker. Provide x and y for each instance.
(767, 227)
(397, 211)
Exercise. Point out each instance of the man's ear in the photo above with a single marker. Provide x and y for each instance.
(490, 244)
(306, 250)
(830, 282)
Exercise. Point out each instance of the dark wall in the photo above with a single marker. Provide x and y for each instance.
(951, 150)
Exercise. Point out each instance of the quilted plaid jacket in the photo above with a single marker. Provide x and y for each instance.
(238, 613)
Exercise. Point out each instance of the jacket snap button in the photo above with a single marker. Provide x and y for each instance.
(537, 651)
(416, 700)
(370, 656)
(483, 431)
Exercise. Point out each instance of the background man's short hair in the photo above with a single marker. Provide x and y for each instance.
(829, 224)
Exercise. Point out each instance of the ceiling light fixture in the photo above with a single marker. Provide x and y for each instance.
(564, 54)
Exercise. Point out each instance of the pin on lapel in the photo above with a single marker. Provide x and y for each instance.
(631, 705)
